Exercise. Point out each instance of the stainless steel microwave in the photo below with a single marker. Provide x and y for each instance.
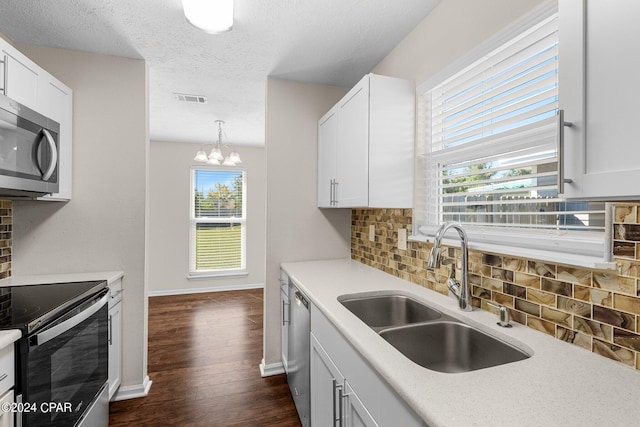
(29, 151)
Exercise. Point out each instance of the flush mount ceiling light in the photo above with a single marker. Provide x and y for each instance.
(211, 16)
(217, 155)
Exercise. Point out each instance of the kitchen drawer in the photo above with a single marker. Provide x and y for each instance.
(115, 291)
(7, 369)
(6, 417)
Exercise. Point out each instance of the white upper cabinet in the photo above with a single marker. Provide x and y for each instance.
(20, 77)
(599, 87)
(56, 102)
(365, 146)
(25, 82)
(352, 161)
(327, 142)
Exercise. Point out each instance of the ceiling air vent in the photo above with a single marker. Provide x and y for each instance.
(198, 99)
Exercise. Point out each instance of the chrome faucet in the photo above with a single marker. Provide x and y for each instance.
(460, 290)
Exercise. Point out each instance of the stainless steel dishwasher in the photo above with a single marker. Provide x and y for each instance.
(298, 373)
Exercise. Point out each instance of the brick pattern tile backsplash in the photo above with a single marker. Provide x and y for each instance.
(6, 220)
(596, 310)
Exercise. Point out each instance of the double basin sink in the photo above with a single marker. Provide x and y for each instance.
(429, 337)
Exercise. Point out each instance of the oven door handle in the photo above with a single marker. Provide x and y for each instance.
(63, 327)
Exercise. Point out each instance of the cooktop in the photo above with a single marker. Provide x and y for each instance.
(29, 307)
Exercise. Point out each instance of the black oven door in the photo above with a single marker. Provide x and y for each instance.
(65, 365)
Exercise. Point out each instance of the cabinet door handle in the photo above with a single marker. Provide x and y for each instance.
(5, 78)
(561, 125)
(332, 195)
(284, 310)
(345, 414)
(335, 193)
(110, 330)
(2, 378)
(333, 399)
(337, 409)
(340, 398)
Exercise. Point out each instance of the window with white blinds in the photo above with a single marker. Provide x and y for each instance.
(218, 221)
(489, 138)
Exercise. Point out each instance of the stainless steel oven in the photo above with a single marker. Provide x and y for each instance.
(62, 360)
(28, 151)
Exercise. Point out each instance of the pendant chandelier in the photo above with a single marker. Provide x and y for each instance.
(217, 154)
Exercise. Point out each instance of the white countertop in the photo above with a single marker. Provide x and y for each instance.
(9, 337)
(560, 384)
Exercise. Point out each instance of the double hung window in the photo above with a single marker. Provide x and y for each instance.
(218, 222)
(488, 133)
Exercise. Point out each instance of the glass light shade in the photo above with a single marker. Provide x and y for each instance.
(201, 156)
(213, 161)
(211, 16)
(235, 157)
(228, 162)
(216, 153)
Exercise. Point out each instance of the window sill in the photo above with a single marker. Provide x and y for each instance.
(576, 260)
(217, 274)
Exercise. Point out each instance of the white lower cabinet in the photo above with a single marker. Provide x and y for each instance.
(345, 390)
(325, 380)
(333, 400)
(355, 414)
(6, 417)
(7, 382)
(115, 337)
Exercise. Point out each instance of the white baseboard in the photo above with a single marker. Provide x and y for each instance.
(271, 369)
(133, 391)
(202, 290)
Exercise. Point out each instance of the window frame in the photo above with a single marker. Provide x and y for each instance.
(193, 222)
(564, 247)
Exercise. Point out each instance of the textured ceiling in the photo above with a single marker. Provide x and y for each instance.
(320, 41)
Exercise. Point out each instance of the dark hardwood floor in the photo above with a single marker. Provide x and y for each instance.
(204, 352)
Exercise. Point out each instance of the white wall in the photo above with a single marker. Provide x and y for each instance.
(169, 224)
(453, 28)
(296, 228)
(103, 227)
